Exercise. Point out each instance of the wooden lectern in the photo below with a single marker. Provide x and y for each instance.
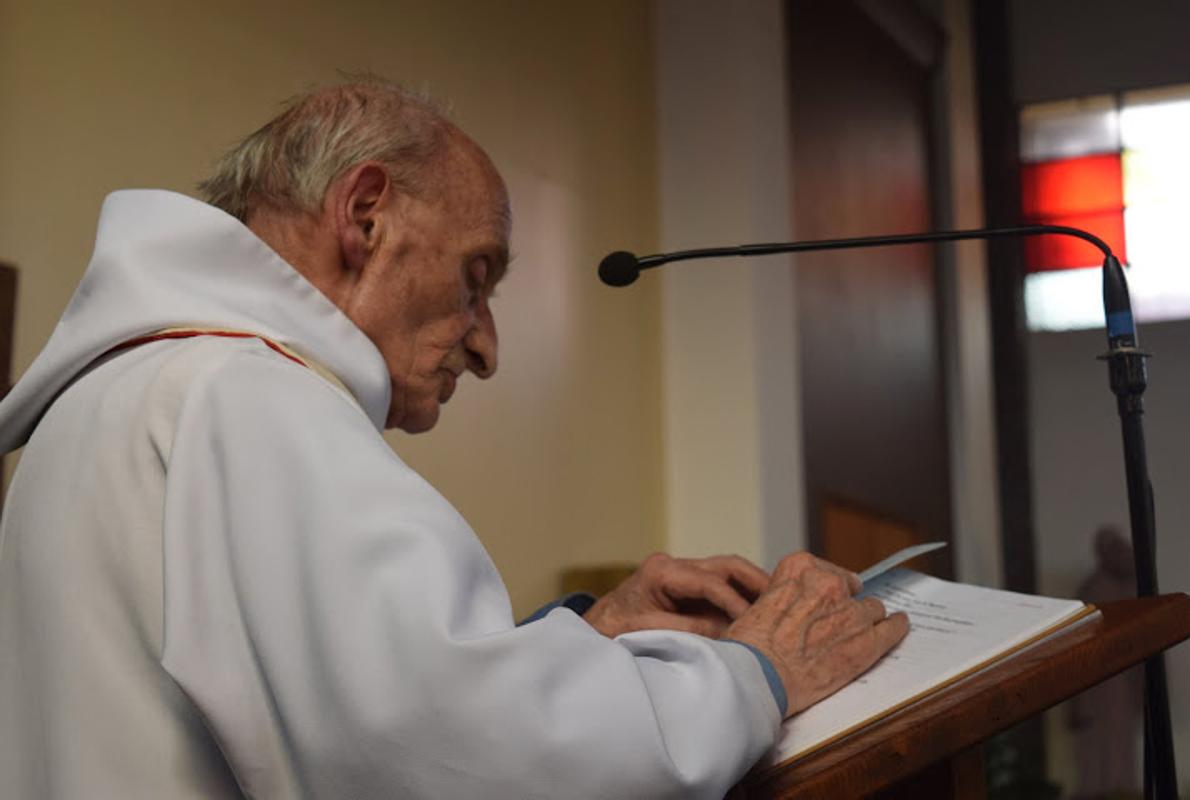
(933, 748)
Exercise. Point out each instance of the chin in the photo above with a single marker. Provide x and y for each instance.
(417, 421)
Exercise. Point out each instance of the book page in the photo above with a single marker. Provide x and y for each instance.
(953, 628)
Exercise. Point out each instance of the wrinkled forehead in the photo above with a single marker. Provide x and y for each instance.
(474, 186)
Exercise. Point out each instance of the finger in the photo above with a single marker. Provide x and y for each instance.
(698, 608)
(797, 565)
(829, 586)
(750, 577)
(874, 609)
(854, 584)
(893, 629)
(880, 638)
(866, 648)
(708, 626)
(793, 566)
(687, 582)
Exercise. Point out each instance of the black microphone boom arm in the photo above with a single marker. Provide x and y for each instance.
(622, 268)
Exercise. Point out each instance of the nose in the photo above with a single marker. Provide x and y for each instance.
(481, 343)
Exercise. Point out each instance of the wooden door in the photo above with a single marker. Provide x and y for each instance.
(873, 400)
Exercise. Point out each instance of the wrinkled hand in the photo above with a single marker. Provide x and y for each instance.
(817, 636)
(700, 596)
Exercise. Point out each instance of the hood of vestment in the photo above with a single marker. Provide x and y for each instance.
(165, 260)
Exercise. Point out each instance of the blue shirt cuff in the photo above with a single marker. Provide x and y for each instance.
(770, 675)
(578, 602)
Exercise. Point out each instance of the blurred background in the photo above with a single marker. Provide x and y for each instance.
(848, 403)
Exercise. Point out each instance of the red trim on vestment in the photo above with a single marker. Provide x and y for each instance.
(188, 334)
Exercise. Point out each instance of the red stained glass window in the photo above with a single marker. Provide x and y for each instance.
(1085, 192)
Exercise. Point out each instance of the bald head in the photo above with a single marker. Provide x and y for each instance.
(288, 164)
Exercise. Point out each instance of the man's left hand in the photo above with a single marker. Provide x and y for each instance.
(699, 595)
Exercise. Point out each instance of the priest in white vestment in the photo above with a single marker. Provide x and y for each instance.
(217, 580)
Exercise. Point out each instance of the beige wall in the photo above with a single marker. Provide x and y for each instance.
(558, 459)
(733, 461)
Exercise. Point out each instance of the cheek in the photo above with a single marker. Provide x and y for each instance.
(396, 346)
(415, 338)
(414, 355)
(443, 335)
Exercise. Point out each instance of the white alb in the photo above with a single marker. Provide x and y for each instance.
(217, 579)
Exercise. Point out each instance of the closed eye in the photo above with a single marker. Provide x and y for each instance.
(477, 279)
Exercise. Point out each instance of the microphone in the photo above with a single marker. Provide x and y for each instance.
(1126, 371)
(619, 268)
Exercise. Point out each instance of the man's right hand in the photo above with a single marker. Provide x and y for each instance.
(817, 636)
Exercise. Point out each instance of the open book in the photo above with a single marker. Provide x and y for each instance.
(955, 631)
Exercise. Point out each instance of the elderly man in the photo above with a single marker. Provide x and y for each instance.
(217, 580)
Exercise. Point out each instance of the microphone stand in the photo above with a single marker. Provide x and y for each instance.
(1128, 379)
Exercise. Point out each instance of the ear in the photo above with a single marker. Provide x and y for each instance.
(359, 198)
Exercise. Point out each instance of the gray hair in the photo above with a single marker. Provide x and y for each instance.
(291, 162)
